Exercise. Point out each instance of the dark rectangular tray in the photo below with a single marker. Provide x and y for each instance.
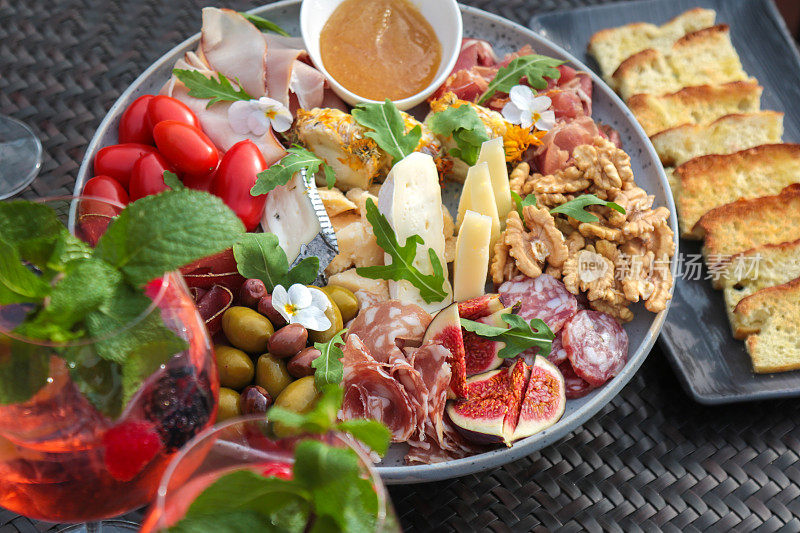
(714, 368)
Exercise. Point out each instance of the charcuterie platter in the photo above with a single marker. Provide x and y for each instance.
(501, 252)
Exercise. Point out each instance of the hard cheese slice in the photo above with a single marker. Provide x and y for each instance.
(289, 214)
(478, 196)
(411, 199)
(472, 256)
(494, 155)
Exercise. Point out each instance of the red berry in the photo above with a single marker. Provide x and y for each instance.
(277, 469)
(129, 447)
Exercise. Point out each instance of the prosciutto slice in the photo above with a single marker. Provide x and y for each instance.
(386, 327)
(371, 392)
(558, 143)
(430, 362)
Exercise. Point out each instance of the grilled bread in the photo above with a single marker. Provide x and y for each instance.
(711, 181)
(700, 104)
(612, 46)
(746, 224)
(698, 58)
(773, 315)
(725, 135)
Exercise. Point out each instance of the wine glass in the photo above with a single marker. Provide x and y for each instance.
(62, 459)
(20, 156)
(244, 444)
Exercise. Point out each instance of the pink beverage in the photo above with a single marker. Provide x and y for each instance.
(62, 460)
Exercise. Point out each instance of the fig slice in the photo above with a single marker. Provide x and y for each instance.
(480, 352)
(480, 307)
(544, 399)
(445, 328)
(490, 412)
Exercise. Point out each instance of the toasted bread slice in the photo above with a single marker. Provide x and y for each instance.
(756, 269)
(746, 224)
(700, 104)
(773, 315)
(711, 181)
(698, 58)
(725, 135)
(612, 46)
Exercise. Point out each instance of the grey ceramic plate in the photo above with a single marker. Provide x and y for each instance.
(714, 367)
(506, 37)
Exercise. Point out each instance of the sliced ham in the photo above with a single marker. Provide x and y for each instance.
(386, 327)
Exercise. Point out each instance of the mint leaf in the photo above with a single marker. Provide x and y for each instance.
(24, 369)
(260, 256)
(98, 379)
(163, 232)
(18, 283)
(216, 90)
(466, 128)
(263, 24)
(30, 228)
(296, 159)
(172, 181)
(520, 203)
(533, 67)
(230, 522)
(388, 128)
(66, 249)
(371, 432)
(576, 208)
(328, 367)
(431, 286)
(518, 338)
(304, 272)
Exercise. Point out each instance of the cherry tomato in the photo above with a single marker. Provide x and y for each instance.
(134, 126)
(106, 188)
(117, 160)
(186, 147)
(163, 107)
(94, 216)
(276, 469)
(147, 176)
(202, 182)
(236, 175)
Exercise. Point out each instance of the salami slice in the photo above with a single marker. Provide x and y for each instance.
(543, 297)
(557, 352)
(381, 325)
(596, 345)
(574, 385)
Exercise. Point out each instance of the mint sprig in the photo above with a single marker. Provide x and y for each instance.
(387, 128)
(215, 90)
(576, 208)
(296, 159)
(518, 337)
(533, 67)
(466, 128)
(260, 256)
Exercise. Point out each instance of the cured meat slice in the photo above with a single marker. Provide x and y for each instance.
(371, 392)
(386, 327)
(558, 354)
(452, 446)
(543, 297)
(574, 385)
(596, 345)
(414, 387)
(430, 361)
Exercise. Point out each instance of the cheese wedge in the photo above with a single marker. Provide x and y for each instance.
(472, 256)
(493, 153)
(478, 196)
(289, 214)
(411, 199)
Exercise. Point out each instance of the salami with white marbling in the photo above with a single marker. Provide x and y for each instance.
(596, 345)
(574, 385)
(543, 297)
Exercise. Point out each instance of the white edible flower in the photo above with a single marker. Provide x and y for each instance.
(256, 116)
(527, 109)
(301, 305)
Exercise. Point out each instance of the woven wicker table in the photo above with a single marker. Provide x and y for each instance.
(651, 459)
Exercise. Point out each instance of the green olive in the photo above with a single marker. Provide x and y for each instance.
(228, 404)
(344, 299)
(299, 397)
(247, 329)
(334, 315)
(236, 369)
(271, 374)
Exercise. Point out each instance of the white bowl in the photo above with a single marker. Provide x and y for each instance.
(444, 16)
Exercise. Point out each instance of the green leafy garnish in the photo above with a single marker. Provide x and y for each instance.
(576, 208)
(263, 24)
(329, 369)
(466, 128)
(296, 159)
(431, 286)
(518, 337)
(216, 90)
(172, 181)
(260, 256)
(18, 284)
(533, 67)
(520, 202)
(388, 128)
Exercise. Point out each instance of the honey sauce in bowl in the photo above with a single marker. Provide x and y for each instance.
(380, 49)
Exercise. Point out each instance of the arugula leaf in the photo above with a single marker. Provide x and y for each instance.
(215, 90)
(296, 159)
(431, 286)
(304, 272)
(520, 203)
(18, 283)
(172, 181)
(328, 367)
(30, 228)
(388, 128)
(263, 24)
(466, 128)
(576, 208)
(533, 67)
(370, 432)
(260, 256)
(163, 232)
(24, 369)
(518, 338)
